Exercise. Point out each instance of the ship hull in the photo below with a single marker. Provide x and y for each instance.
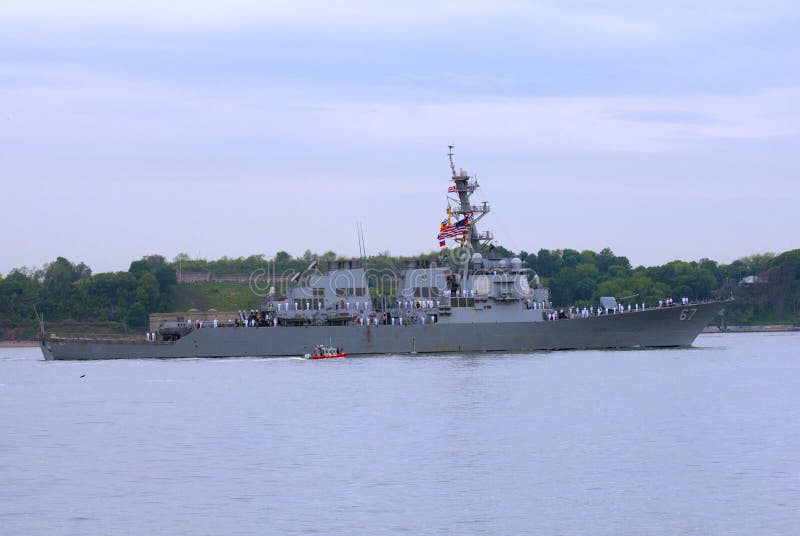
(654, 328)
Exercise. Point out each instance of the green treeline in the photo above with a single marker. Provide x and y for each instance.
(767, 287)
(770, 295)
(65, 291)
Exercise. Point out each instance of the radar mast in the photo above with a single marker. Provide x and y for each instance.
(465, 187)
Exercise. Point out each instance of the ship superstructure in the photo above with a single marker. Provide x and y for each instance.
(464, 287)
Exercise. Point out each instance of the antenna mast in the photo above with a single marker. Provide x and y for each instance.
(362, 246)
(40, 318)
(464, 188)
(452, 165)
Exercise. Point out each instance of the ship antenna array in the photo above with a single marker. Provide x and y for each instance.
(464, 189)
(362, 246)
(40, 318)
(452, 165)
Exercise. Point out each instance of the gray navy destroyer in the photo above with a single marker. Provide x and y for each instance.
(470, 302)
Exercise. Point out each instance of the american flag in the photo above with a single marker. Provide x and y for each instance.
(461, 227)
(451, 189)
(453, 232)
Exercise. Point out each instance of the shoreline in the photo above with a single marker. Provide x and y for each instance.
(19, 344)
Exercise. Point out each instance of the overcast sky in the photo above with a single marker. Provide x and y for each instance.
(663, 130)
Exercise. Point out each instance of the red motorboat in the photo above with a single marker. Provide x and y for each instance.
(326, 352)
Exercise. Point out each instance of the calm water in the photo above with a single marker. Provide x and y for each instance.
(698, 441)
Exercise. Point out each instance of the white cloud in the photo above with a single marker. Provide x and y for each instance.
(74, 107)
(576, 123)
(201, 14)
(563, 21)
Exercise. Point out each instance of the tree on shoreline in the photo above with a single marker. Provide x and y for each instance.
(71, 292)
